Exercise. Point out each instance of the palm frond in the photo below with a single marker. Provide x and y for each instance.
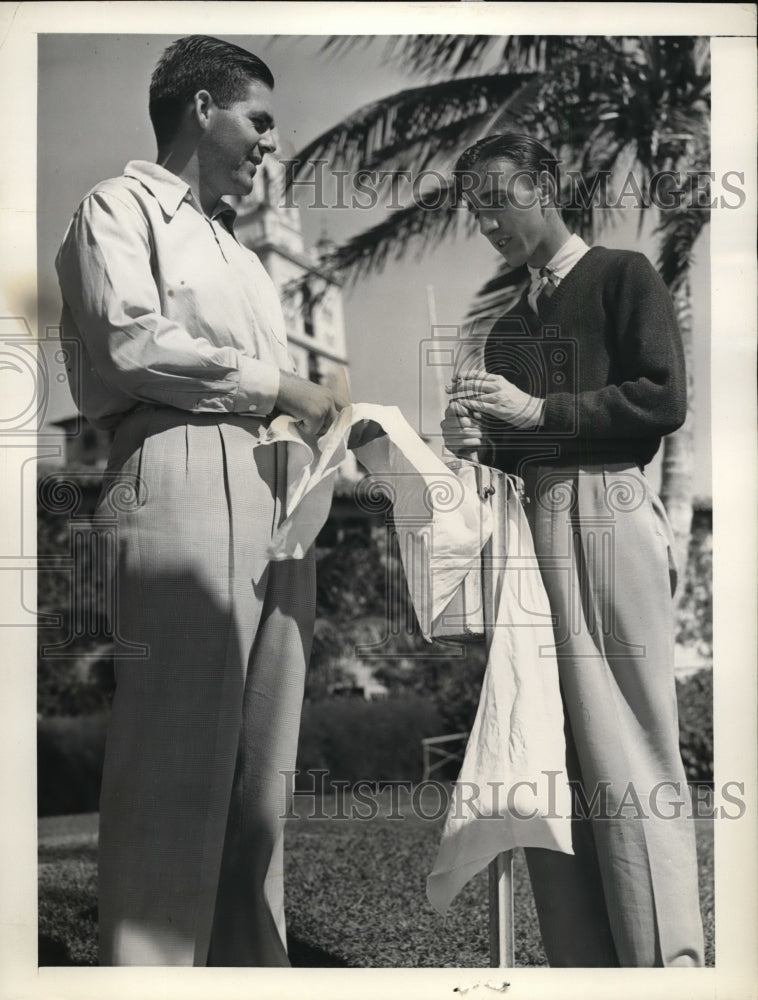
(455, 54)
(413, 227)
(607, 104)
(500, 293)
(522, 110)
(338, 45)
(433, 54)
(407, 117)
(678, 230)
(436, 149)
(540, 53)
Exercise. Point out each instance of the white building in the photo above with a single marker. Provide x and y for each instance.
(311, 299)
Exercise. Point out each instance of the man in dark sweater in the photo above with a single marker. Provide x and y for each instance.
(572, 391)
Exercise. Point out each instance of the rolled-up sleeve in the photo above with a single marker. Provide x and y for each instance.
(105, 270)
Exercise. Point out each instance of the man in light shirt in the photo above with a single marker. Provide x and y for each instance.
(183, 355)
(576, 385)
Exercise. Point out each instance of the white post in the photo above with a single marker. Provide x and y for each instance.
(492, 485)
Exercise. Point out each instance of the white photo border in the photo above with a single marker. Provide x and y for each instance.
(734, 440)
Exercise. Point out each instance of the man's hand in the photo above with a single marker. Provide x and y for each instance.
(315, 407)
(494, 396)
(461, 431)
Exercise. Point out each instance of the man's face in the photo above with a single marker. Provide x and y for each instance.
(506, 203)
(236, 140)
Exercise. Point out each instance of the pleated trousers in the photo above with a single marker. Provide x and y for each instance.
(211, 654)
(629, 894)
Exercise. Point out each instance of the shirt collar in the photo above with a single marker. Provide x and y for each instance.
(561, 263)
(170, 191)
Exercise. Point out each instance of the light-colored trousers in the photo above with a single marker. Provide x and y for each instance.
(629, 894)
(204, 725)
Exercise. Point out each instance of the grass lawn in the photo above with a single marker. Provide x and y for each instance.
(356, 893)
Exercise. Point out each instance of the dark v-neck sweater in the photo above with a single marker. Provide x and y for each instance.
(606, 355)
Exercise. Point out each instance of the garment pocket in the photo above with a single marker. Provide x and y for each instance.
(627, 491)
(123, 489)
(664, 529)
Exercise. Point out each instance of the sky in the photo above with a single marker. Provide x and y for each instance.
(92, 119)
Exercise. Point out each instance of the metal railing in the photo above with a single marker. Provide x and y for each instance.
(435, 747)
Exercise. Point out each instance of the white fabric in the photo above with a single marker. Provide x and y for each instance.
(441, 521)
(442, 526)
(512, 790)
(556, 268)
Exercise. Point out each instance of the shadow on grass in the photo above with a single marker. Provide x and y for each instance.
(338, 875)
(52, 952)
(306, 956)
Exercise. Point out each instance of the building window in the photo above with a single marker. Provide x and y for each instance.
(314, 372)
(308, 311)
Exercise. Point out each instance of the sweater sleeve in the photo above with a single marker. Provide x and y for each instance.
(648, 395)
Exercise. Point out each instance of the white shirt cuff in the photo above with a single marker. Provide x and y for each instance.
(258, 387)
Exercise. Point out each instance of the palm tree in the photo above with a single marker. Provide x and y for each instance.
(606, 106)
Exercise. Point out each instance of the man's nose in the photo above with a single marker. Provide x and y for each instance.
(267, 142)
(487, 225)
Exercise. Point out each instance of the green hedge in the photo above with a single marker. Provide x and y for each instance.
(351, 739)
(70, 763)
(695, 699)
(355, 740)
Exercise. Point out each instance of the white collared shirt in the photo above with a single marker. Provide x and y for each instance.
(165, 305)
(559, 265)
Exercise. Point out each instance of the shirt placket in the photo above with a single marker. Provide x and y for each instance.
(212, 224)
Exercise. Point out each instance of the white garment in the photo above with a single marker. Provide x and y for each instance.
(166, 306)
(513, 788)
(441, 521)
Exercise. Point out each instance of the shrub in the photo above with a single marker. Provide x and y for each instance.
(74, 676)
(330, 646)
(351, 739)
(70, 763)
(695, 698)
(374, 741)
(695, 607)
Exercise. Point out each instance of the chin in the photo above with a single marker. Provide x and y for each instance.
(244, 185)
(513, 259)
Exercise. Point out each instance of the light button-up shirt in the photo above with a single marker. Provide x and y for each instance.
(167, 307)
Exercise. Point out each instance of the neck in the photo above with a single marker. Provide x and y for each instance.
(185, 164)
(555, 236)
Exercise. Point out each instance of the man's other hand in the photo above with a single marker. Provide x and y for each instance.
(486, 395)
(462, 432)
(315, 407)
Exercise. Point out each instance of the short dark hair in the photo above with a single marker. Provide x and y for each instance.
(200, 62)
(523, 151)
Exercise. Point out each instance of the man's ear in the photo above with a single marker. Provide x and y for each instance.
(548, 189)
(202, 106)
